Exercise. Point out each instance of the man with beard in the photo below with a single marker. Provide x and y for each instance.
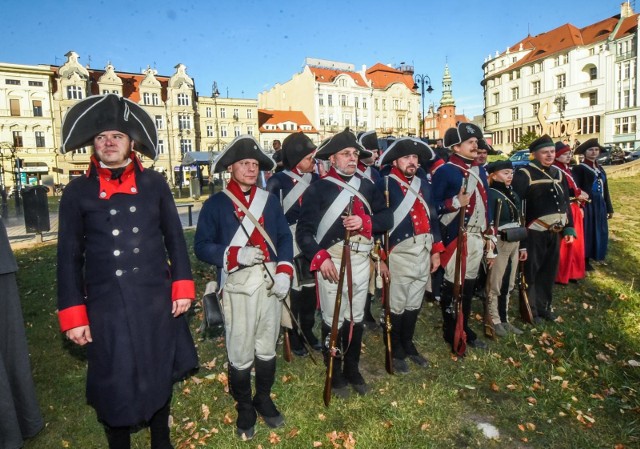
(460, 186)
(545, 191)
(320, 235)
(414, 245)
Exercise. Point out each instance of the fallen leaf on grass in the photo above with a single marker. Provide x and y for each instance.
(196, 380)
(274, 438)
(205, 412)
(227, 419)
(317, 444)
(565, 384)
(531, 426)
(521, 427)
(531, 400)
(425, 426)
(494, 386)
(511, 387)
(210, 365)
(394, 404)
(556, 377)
(603, 358)
(293, 433)
(387, 424)
(65, 443)
(586, 306)
(634, 363)
(286, 378)
(321, 416)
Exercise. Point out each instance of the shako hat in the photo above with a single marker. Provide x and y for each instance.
(541, 142)
(338, 142)
(296, 147)
(93, 115)
(499, 165)
(588, 144)
(463, 131)
(561, 148)
(405, 146)
(369, 140)
(242, 147)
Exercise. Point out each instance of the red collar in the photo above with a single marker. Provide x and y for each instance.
(396, 171)
(126, 184)
(462, 162)
(234, 188)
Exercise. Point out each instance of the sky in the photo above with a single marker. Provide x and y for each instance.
(247, 46)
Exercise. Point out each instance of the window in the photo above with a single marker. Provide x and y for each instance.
(356, 102)
(561, 81)
(184, 121)
(208, 112)
(496, 117)
(343, 100)
(535, 88)
(249, 113)
(384, 104)
(536, 108)
(320, 99)
(537, 67)
(515, 93)
(209, 130)
(183, 99)
(155, 99)
(35, 83)
(590, 125)
(146, 98)
(236, 114)
(625, 125)
(12, 82)
(496, 98)
(592, 51)
(593, 98)
(250, 130)
(74, 93)
(159, 122)
(236, 131)
(514, 75)
(160, 146)
(330, 100)
(375, 104)
(285, 126)
(625, 98)
(364, 103)
(39, 139)
(396, 105)
(185, 145)
(14, 104)
(17, 139)
(561, 104)
(561, 59)
(593, 73)
(223, 131)
(223, 112)
(322, 120)
(346, 120)
(514, 114)
(37, 108)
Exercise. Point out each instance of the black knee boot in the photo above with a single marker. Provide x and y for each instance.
(448, 313)
(338, 382)
(159, 427)
(308, 316)
(409, 320)
(265, 376)
(467, 297)
(118, 437)
(368, 319)
(240, 388)
(397, 350)
(351, 368)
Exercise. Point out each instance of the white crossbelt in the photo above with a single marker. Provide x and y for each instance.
(405, 206)
(339, 204)
(296, 192)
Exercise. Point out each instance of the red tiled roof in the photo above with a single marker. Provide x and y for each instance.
(130, 84)
(629, 26)
(325, 75)
(382, 76)
(274, 117)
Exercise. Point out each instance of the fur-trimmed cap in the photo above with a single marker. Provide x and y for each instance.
(242, 147)
(369, 140)
(338, 142)
(463, 131)
(588, 144)
(405, 146)
(499, 165)
(541, 142)
(93, 115)
(296, 147)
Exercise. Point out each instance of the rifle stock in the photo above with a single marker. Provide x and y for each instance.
(286, 347)
(489, 330)
(525, 308)
(459, 336)
(333, 336)
(388, 355)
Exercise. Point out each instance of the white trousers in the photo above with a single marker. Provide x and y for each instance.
(475, 251)
(410, 266)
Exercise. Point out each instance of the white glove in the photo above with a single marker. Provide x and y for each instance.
(281, 285)
(250, 255)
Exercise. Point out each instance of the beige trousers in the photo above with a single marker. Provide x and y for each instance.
(410, 266)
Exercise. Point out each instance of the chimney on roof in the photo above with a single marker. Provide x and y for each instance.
(626, 10)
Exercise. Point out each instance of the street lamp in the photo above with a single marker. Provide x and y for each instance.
(561, 103)
(215, 93)
(420, 81)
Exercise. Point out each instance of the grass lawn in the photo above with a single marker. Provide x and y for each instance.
(570, 384)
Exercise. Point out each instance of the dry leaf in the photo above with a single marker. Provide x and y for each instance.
(477, 376)
(293, 433)
(494, 386)
(186, 390)
(274, 438)
(394, 404)
(387, 424)
(210, 365)
(531, 400)
(317, 444)
(420, 401)
(321, 416)
(565, 384)
(531, 426)
(511, 387)
(634, 363)
(425, 426)
(196, 380)
(521, 427)
(286, 379)
(205, 412)
(556, 377)
(227, 419)
(65, 443)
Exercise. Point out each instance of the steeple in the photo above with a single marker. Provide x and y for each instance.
(447, 94)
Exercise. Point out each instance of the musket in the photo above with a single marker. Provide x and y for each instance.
(287, 342)
(388, 355)
(489, 330)
(286, 346)
(525, 308)
(459, 336)
(333, 336)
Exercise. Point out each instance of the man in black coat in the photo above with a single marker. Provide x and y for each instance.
(124, 278)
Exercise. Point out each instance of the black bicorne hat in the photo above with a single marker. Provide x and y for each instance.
(463, 131)
(405, 146)
(499, 165)
(588, 144)
(296, 147)
(541, 142)
(338, 142)
(242, 147)
(93, 115)
(369, 140)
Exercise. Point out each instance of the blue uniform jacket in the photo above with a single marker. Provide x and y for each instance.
(281, 182)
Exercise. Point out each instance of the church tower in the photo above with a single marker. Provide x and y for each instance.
(447, 108)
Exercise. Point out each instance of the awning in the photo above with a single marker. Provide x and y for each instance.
(198, 157)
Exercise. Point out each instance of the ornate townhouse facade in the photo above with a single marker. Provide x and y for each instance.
(571, 83)
(277, 125)
(333, 96)
(223, 119)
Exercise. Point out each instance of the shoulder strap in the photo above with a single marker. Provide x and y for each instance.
(251, 217)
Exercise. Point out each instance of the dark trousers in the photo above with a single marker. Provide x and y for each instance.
(540, 269)
(303, 307)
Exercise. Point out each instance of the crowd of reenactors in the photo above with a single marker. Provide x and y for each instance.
(337, 227)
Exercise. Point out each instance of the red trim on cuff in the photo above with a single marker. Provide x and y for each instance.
(437, 248)
(232, 258)
(284, 267)
(448, 205)
(71, 317)
(367, 226)
(183, 289)
(319, 258)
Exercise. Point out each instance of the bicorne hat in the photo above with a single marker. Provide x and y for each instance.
(561, 148)
(296, 147)
(369, 140)
(405, 146)
(463, 131)
(242, 147)
(338, 142)
(541, 142)
(499, 165)
(93, 115)
(588, 144)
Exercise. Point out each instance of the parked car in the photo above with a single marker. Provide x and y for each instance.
(611, 155)
(519, 158)
(633, 155)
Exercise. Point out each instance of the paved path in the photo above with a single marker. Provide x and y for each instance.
(18, 235)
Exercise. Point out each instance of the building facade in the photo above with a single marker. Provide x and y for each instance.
(437, 121)
(571, 83)
(223, 119)
(277, 125)
(334, 96)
